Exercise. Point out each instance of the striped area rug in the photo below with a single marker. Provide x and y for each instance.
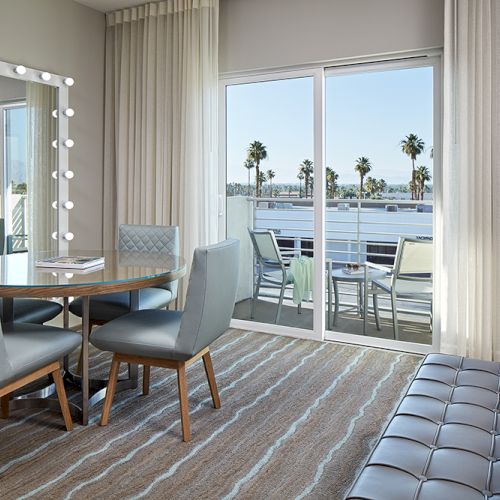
(298, 419)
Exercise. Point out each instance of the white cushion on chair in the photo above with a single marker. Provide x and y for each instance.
(406, 287)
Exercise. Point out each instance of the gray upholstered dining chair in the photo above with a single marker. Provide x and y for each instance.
(29, 352)
(37, 311)
(175, 339)
(135, 238)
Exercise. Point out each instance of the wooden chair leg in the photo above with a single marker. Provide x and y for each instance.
(209, 370)
(183, 401)
(63, 400)
(5, 405)
(145, 380)
(110, 391)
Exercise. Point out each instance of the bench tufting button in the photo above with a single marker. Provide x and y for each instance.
(487, 493)
(433, 447)
(422, 478)
(492, 459)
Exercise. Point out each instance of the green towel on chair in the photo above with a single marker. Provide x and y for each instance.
(302, 271)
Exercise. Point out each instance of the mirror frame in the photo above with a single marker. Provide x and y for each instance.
(8, 69)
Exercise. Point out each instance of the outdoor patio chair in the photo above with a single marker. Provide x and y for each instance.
(410, 278)
(272, 268)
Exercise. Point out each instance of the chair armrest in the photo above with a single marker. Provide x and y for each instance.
(378, 266)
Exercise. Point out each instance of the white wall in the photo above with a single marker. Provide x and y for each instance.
(64, 37)
(273, 33)
(11, 89)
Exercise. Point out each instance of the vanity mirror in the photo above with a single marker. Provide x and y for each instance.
(34, 159)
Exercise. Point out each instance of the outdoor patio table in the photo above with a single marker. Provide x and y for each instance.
(338, 275)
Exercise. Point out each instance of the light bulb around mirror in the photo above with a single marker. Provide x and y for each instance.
(55, 274)
(20, 70)
(69, 236)
(69, 112)
(68, 205)
(68, 275)
(54, 143)
(69, 143)
(54, 205)
(54, 174)
(54, 113)
(69, 81)
(69, 174)
(45, 76)
(54, 235)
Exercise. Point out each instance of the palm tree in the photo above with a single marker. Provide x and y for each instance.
(412, 146)
(362, 167)
(249, 164)
(371, 186)
(381, 186)
(257, 152)
(422, 175)
(306, 167)
(311, 184)
(331, 182)
(270, 176)
(300, 176)
(262, 180)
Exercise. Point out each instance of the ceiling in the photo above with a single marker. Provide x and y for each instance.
(110, 5)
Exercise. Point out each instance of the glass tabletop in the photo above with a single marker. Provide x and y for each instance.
(20, 270)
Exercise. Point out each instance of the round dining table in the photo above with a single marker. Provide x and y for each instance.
(122, 271)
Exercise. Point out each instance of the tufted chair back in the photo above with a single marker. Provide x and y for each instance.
(154, 239)
(210, 297)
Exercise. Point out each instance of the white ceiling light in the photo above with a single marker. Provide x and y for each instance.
(20, 70)
(45, 76)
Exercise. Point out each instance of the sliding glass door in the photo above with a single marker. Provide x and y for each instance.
(325, 170)
(269, 195)
(379, 175)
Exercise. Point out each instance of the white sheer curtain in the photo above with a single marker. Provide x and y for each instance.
(41, 162)
(468, 230)
(161, 119)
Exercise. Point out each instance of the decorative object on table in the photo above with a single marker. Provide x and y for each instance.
(353, 269)
(175, 339)
(70, 262)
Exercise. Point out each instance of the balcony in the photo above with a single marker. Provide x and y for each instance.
(356, 231)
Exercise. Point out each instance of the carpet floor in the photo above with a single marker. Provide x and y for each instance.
(298, 420)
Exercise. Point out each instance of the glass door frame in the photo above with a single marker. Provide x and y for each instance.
(319, 74)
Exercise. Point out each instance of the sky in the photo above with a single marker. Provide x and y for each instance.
(367, 114)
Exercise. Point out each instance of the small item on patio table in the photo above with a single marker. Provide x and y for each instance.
(353, 269)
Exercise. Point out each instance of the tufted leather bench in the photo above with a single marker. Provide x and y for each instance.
(444, 440)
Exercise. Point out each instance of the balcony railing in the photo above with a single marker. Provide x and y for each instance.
(356, 230)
